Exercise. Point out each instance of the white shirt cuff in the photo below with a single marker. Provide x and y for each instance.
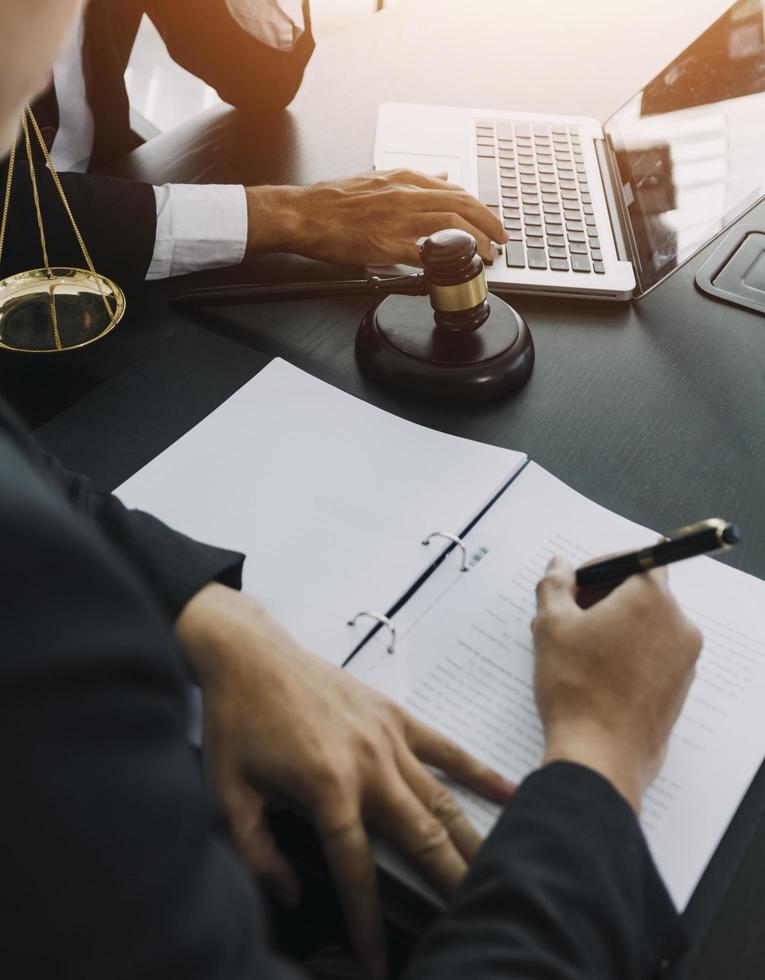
(198, 227)
(277, 23)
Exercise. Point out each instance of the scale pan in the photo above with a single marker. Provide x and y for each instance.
(57, 309)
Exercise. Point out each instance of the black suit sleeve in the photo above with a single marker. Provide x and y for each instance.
(117, 218)
(563, 889)
(173, 566)
(112, 866)
(203, 37)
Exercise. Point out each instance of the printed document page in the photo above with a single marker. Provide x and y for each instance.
(329, 498)
(464, 664)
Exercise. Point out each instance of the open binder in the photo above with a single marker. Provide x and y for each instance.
(334, 500)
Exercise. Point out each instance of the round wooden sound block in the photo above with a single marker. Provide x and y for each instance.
(399, 344)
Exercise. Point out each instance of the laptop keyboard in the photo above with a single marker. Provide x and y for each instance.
(534, 178)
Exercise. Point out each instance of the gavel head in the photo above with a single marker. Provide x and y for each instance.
(456, 280)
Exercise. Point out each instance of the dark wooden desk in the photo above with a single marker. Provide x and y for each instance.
(653, 409)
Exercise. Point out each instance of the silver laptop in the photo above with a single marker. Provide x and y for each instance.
(608, 210)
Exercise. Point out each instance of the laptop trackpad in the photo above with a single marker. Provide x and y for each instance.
(425, 163)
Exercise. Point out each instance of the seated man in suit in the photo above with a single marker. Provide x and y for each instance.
(254, 53)
(113, 864)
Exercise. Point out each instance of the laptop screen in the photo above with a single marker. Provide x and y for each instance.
(691, 146)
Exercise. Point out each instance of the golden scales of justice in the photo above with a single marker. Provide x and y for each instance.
(53, 309)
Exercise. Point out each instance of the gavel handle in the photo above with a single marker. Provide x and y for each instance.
(244, 294)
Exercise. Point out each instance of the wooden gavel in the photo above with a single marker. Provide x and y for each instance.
(479, 347)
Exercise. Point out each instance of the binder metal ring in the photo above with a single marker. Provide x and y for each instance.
(383, 620)
(455, 540)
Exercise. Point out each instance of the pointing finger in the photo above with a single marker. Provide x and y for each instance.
(432, 748)
(556, 591)
(462, 204)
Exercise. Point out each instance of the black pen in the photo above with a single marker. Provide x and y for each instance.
(687, 542)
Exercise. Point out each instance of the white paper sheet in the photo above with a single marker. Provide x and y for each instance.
(328, 496)
(464, 664)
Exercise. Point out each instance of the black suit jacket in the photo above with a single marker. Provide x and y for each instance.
(118, 217)
(112, 865)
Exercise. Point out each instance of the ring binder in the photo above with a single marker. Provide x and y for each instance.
(456, 540)
(383, 620)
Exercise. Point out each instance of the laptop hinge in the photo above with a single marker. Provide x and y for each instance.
(617, 210)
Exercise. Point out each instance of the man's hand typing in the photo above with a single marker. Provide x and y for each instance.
(374, 219)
